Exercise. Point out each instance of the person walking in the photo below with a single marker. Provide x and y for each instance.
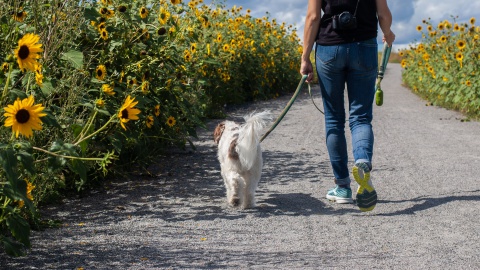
(344, 33)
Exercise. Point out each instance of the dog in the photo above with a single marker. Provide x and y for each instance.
(240, 157)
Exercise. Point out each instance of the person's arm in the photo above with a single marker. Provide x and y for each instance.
(312, 23)
(385, 21)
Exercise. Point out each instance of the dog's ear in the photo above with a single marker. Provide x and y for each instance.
(217, 134)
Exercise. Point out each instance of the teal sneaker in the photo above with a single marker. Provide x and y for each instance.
(366, 194)
(340, 195)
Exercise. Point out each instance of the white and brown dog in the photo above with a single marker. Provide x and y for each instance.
(240, 157)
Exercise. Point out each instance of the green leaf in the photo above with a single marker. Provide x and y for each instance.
(75, 58)
(12, 248)
(78, 167)
(47, 87)
(19, 228)
(26, 159)
(50, 120)
(9, 164)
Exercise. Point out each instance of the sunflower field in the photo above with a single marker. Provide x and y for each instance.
(444, 67)
(93, 89)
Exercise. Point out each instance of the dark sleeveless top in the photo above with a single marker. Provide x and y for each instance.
(367, 22)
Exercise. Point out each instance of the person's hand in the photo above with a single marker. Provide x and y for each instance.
(306, 68)
(389, 38)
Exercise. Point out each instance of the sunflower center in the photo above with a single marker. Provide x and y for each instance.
(99, 73)
(125, 114)
(22, 116)
(24, 52)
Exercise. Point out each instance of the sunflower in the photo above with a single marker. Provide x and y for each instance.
(419, 28)
(161, 31)
(176, 2)
(193, 47)
(38, 75)
(24, 117)
(156, 110)
(472, 21)
(171, 121)
(443, 39)
(106, 2)
(219, 38)
(27, 51)
(20, 16)
(122, 9)
(226, 47)
(101, 72)
(30, 188)
(131, 82)
(104, 34)
(145, 86)
(468, 83)
(5, 67)
(100, 103)
(108, 90)
(456, 27)
(127, 112)
(187, 55)
(143, 12)
(106, 13)
(163, 15)
(149, 121)
(441, 26)
(461, 44)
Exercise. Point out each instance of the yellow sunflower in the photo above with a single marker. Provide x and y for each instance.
(122, 8)
(24, 117)
(20, 16)
(468, 83)
(27, 51)
(193, 47)
(100, 72)
(171, 121)
(143, 12)
(106, 2)
(459, 56)
(461, 44)
(163, 15)
(472, 21)
(156, 110)
(100, 103)
(419, 28)
(38, 75)
(176, 2)
(108, 90)
(187, 55)
(5, 67)
(149, 121)
(104, 34)
(145, 86)
(127, 112)
(161, 31)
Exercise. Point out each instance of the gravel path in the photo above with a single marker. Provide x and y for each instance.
(425, 171)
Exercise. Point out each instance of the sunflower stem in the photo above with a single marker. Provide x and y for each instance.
(5, 89)
(97, 131)
(86, 127)
(63, 156)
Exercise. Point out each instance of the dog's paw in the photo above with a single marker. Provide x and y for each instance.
(235, 201)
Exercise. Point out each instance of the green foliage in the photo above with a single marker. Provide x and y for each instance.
(443, 68)
(91, 88)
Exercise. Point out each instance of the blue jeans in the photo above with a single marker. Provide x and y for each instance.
(354, 64)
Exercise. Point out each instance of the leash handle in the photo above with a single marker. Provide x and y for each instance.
(285, 110)
(385, 56)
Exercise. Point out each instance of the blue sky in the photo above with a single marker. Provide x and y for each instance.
(407, 14)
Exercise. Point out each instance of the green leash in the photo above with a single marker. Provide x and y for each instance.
(285, 110)
(385, 56)
(378, 93)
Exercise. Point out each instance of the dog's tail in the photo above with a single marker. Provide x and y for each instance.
(249, 137)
